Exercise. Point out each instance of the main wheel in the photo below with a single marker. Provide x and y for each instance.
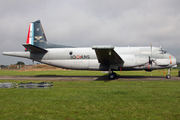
(168, 76)
(112, 75)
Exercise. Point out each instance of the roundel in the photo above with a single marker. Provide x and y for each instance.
(78, 56)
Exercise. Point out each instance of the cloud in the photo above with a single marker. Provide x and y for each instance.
(92, 22)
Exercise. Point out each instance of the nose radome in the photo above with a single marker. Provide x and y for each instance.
(173, 60)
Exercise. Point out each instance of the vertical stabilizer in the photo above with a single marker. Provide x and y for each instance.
(36, 35)
(37, 38)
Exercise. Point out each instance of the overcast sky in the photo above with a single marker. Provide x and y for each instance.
(91, 22)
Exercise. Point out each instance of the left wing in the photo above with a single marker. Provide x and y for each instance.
(107, 55)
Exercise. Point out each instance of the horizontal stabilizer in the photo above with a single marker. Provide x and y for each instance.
(34, 49)
(17, 54)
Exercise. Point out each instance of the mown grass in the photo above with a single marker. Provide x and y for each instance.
(174, 72)
(86, 100)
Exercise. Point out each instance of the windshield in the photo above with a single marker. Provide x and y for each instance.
(162, 51)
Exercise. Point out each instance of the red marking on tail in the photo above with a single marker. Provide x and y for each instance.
(27, 41)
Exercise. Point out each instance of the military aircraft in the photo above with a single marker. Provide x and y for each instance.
(103, 58)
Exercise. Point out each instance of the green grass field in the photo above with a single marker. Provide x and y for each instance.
(174, 72)
(86, 100)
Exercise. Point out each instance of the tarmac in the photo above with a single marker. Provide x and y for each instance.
(90, 78)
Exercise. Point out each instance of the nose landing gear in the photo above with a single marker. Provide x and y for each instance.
(168, 76)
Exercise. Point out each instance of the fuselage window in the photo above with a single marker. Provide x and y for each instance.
(70, 53)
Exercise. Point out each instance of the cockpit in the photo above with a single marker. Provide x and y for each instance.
(162, 51)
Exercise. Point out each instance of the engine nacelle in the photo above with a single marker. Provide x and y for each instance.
(131, 60)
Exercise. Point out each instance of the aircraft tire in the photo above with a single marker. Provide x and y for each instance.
(168, 76)
(112, 75)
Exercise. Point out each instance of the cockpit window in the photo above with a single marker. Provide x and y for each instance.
(162, 51)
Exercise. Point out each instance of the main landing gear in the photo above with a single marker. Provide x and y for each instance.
(112, 74)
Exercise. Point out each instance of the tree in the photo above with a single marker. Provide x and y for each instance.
(20, 63)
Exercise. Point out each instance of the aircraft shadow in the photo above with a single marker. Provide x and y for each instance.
(104, 77)
(118, 77)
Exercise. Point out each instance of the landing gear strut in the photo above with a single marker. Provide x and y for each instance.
(168, 76)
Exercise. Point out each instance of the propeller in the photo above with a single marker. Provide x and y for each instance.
(150, 60)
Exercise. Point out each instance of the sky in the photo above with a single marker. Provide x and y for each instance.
(84, 23)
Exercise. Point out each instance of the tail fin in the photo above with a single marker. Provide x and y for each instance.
(36, 35)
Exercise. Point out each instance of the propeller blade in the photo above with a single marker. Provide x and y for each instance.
(151, 56)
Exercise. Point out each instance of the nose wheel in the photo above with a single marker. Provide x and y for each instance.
(168, 76)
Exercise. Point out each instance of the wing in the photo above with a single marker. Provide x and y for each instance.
(107, 55)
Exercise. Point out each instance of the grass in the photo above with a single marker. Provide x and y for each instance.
(174, 72)
(86, 100)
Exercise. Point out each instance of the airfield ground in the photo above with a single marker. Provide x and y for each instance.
(133, 95)
(90, 78)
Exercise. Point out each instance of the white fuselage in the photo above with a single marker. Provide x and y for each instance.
(135, 58)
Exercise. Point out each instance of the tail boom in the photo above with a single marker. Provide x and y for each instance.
(17, 54)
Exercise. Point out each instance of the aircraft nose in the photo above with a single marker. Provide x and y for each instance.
(174, 61)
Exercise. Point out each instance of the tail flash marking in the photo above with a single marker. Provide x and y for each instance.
(27, 42)
(30, 37)
(32, 34)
